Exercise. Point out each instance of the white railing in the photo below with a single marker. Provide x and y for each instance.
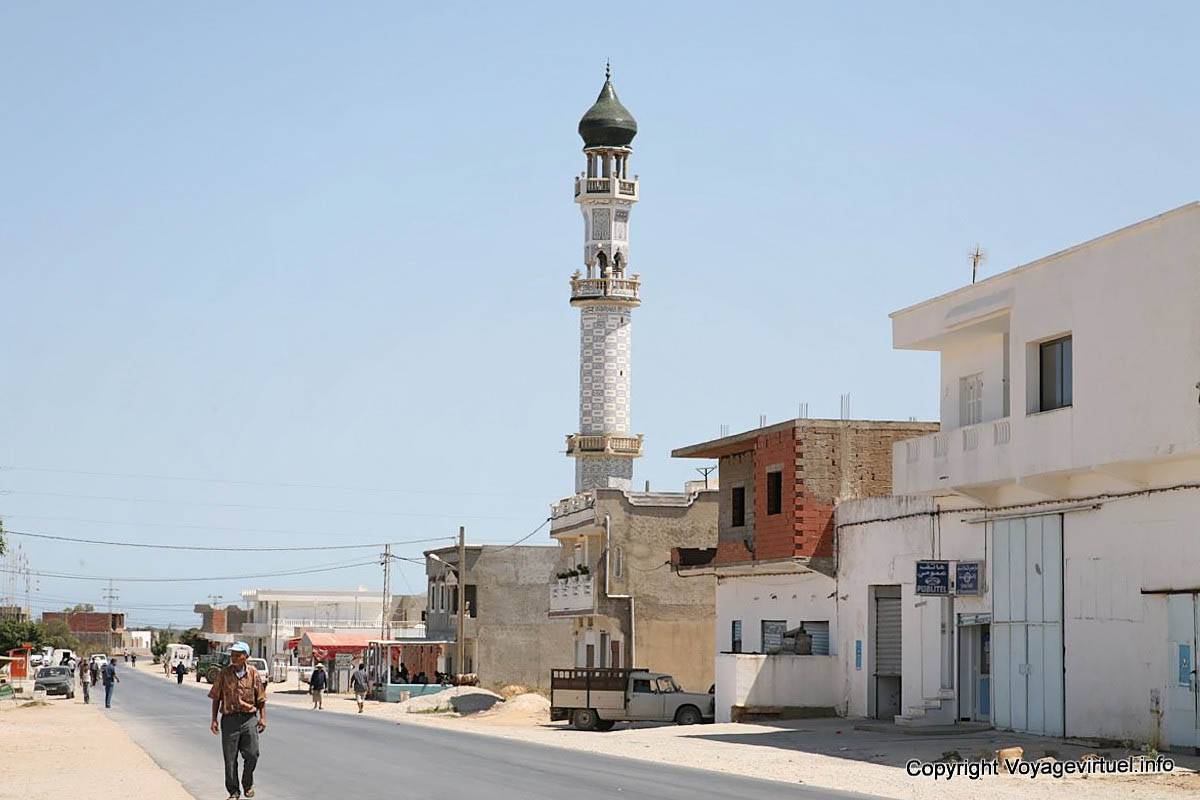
(604, 443)
(941, 445)
(572, 504)
(618, 288)
(1001, 432)
(572, 594)
(970, 438)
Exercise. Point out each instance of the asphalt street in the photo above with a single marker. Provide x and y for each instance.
(308, 754)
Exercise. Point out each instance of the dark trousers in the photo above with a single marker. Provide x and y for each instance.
(87, 697)
(179, 677)
(108, 690)
(239, 734)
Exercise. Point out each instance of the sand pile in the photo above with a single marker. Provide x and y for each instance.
(512, 690)
(523, 705)
(460, 699)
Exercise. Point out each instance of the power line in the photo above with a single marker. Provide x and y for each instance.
(526, 536)
(279, 484)
(248, 505)
(143, 579)
(207, 548)
(234, 529)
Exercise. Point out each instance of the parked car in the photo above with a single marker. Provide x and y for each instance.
(207, 666)
(99, 659)
(36, 659)
(595, 698)
(55, 680)
(260, 664)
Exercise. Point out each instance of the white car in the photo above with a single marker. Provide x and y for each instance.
(260, 664)
(99, 659)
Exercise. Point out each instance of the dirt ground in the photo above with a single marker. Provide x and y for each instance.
(68, 749)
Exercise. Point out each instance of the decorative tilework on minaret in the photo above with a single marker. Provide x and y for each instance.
(606, 295)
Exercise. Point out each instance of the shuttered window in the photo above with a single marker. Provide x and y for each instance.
(819, 631)
(887, 636)
(735, 644)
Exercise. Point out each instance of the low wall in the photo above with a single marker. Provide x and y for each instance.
(782, 681)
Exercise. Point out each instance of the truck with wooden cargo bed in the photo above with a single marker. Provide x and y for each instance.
(594, 698)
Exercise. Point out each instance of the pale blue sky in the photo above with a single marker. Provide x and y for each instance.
(329, 244)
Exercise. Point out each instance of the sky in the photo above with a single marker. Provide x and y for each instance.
(296, 274)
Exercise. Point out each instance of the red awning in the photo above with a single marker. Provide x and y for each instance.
(326, 645)
(292, 644)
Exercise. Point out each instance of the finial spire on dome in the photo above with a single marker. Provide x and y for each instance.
(607, 122)
(607, 69)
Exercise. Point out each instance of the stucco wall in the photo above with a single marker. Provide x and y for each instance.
(757, 680)
(752, 599)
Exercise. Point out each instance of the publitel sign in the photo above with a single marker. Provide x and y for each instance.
(933, 577)
(343, 659)
(966, 577)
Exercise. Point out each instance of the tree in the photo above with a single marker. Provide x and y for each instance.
(79, 608)
(195, 640)
(56, 634)
(158, 645)
(1, 537)
(13, 634)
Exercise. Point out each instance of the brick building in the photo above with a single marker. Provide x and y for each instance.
(773, 562)
(98, 629)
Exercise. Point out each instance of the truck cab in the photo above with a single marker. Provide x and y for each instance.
(596, 698)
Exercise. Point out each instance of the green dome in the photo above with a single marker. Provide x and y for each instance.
(607, 123)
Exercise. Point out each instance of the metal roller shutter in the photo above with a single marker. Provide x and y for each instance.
(887, 636)
(819, 631)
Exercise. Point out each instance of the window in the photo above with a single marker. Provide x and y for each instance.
(667, 686)
(819, 631)
(772, 635)
(618, 561)
(1054, 367)
(735, 637)
(774, 493)
(471, 607)
(641, 686)
(737, 507)
(970, 400)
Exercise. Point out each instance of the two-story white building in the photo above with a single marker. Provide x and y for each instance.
(1068, 468)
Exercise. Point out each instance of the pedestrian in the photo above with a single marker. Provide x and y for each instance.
(133, 660)
(109, 676)
(236, 695)
(94, 668)
(180, 671)
(83, 681)
(359, 683)
(317, 683)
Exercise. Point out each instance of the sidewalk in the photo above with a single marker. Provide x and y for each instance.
(68, 749)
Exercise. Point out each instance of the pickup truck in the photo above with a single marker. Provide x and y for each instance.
(593, 699)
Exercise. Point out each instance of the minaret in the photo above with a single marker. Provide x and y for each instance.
(605, 295)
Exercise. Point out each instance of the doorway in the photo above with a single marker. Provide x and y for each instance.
(885, 699)
(1183, 703)
(974, 668)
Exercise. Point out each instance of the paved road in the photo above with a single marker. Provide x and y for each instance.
(320, 756)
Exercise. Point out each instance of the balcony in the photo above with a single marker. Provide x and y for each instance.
(622, 289)
(606, 443)
(607, 187)
(976, 455)
(572, 596)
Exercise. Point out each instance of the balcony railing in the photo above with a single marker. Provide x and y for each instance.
(572, 594)
(973, 455)
(612, 288)
(604, 443)
(570, 505)
(606, 186)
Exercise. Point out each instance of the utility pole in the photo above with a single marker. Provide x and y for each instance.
(385, 625)
(110, 594)
(706, 471)
(459, 661)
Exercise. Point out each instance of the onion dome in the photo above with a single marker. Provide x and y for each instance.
(607, 123)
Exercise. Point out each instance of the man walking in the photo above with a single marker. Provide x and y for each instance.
(108, 673)
(180, 671)
(316, 685)
(359, 683)
(237, 694)
(83, 681)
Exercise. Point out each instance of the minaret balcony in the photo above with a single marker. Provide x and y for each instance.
(606, 187)
(625, 289)
(604, 444)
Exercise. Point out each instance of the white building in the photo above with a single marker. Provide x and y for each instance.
(278, 615)
(1068, 463)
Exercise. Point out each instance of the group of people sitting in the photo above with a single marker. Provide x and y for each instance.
(401, 675)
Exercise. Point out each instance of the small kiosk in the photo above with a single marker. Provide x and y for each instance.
(386, 657)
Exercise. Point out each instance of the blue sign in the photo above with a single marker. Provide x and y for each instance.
(966, 577)
(1185, 665)
(933, 577)
(858, 654)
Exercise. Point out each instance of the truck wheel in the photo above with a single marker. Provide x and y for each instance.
(604, 724)
(688, 715)
(584, 719)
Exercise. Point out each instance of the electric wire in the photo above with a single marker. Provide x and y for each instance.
(211, 548)
(145, 579)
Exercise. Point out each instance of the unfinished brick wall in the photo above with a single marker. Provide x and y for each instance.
(773, 533)
(87, 621)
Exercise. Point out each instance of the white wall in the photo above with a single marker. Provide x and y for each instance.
(885, 553)
(795, 598)
(758, 680)
(984, 354)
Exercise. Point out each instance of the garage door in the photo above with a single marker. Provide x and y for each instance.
(887, 636)
(1027, 629)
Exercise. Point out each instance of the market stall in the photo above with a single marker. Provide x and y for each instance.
(389, 662)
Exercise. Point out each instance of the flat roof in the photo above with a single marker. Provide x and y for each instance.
(744, 441)
(1195, 204)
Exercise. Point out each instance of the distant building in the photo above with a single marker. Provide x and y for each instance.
(14, 613)
(509, 636)
(278, 617)
(99, 629)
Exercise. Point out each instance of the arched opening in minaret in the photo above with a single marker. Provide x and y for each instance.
(602, 261)
(618, 266)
